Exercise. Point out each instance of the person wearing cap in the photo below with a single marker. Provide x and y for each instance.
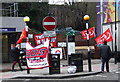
(15, 54)
(105, 54)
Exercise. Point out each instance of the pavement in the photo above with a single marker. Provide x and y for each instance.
(6, 73)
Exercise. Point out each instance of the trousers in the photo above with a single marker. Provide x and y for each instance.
(13, 65)
(107, 64)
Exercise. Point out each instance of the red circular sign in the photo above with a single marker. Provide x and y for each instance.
(49, 23)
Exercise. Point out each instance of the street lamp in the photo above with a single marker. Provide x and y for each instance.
(26, 20)
(86, 18)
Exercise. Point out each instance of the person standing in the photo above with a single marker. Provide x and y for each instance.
(15, 54)
(105, 54)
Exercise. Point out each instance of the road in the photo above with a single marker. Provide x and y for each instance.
(103, 76)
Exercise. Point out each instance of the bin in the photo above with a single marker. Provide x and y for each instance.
(77, 58)
(54, 61)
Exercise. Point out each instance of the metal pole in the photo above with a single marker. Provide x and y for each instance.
(14, 9)
(101, 8)
(28, 70)
(89, 58)
(115, 36)
(17, 9)
(10, 12)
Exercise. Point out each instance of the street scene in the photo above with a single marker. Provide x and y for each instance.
(60, 40)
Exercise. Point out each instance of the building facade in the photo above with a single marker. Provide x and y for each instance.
(10, 29)
(112, 28)
(106, 14)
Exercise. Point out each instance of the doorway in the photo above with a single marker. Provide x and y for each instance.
(4, 48)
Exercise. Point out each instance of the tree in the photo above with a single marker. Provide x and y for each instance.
(72, 16)
(36, 11)
(66, 15)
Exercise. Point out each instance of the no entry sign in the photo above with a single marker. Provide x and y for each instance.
(49, 23)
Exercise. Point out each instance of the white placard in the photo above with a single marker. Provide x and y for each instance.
(30, 35)
(57, 51)
(61, 44)
(49, 33)
(71, 48)
(23, 45)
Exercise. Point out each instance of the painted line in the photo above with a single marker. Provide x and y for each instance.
(118, 72)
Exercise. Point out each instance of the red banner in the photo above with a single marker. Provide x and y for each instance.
(105, 36)
(91, 33)
(40, 39)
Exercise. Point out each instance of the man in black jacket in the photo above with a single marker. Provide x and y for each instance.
(15, 54)
(105, 54)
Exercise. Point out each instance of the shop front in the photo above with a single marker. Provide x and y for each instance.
(9, 33)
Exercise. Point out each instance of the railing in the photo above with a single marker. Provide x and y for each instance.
(11, 10)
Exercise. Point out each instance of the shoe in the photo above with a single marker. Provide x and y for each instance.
(21, 69)
(13, 71)
(108, 71)
(102, 71)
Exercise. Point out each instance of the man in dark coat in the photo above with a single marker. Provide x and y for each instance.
(15, 54)
(105, 54)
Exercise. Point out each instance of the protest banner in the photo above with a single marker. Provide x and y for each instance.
(40, 39)
(37, 57)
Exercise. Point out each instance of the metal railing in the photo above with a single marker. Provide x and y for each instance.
(11, 10)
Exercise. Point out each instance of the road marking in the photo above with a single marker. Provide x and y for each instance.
(117, 72)
(101, 76)
(114, 70)
(87, 77)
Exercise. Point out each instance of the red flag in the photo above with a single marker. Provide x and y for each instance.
(105, 36)
(91, 33)
(23, 35)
